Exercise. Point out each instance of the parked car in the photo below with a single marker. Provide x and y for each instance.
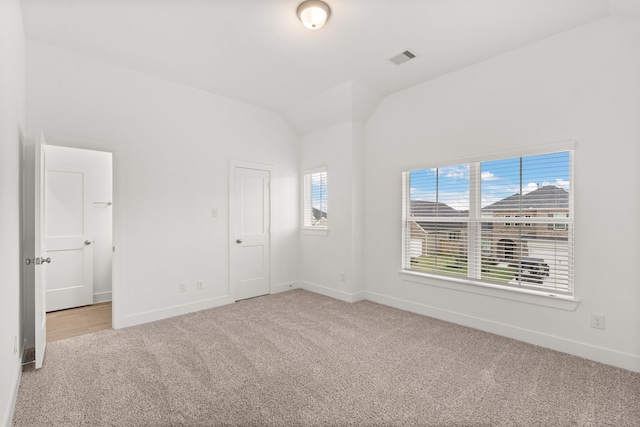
(532, 270)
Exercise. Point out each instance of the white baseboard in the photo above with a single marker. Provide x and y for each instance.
(283, 287)
(13, 396)
(599, 354)
(101, 297)
(333, 293)
(176, 310)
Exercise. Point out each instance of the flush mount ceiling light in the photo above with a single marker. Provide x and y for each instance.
(314, 14)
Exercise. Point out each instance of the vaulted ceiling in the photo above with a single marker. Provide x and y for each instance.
(257, 51)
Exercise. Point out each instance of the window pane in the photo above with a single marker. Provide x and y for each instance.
(518, 256)
(545, 181)
(423, 189)
(440, 192)
(319, 195)
(517, 245)
(500, 184)
(315, 200)
(439, 247)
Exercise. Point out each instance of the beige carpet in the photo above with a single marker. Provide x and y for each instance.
(298, 358)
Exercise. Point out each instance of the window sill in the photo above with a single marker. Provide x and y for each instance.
(313, 231)
(496, 291)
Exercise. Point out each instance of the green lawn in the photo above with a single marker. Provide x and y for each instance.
(453, 265)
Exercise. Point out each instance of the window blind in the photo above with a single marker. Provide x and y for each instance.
(507, 221)
(315, 199)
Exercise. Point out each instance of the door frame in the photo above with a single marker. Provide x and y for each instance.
(233, 212)
(118, 216)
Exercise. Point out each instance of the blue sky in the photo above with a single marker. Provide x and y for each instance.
(500, 179)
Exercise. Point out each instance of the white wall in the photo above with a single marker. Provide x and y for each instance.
(581, 85)
(323, 258)
(172, 145)
(12, 87)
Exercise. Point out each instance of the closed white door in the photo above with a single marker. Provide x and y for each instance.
(69, 232)
(250, 228)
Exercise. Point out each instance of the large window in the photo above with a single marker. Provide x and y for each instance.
(511, 220)
(315, 199)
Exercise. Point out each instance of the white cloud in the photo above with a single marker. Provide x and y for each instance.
(532, 186)
(560, 183)
(488, 176)
(458, 172)
(417, 194)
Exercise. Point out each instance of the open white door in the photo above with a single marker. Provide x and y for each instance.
(69, 228)
(40, 260)
(250, 219)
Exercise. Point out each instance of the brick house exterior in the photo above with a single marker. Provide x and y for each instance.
(502, 241)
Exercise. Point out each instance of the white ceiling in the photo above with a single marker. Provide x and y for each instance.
(258, 52)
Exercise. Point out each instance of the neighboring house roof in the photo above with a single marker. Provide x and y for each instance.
(439, 209)
(547, 197)
(318, 214)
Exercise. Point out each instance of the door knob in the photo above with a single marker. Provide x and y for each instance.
(239, 241)
(38, 260)
(88, 242)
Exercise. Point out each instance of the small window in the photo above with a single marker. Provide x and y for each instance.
(560, 226)
(315, 199)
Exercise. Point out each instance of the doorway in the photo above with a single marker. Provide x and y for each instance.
(78, 230)
(36, 153)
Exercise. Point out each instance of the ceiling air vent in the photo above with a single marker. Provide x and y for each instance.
(403, 57)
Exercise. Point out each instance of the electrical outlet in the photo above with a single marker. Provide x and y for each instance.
(343, 277)
(597, 321)
(200, 285)
(183, 287)
(15, 345)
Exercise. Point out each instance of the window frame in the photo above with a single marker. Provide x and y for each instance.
(559, 226)
(476, 220)
(307, 201)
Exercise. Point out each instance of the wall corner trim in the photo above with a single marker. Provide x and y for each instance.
(333, 293)
(13, 397)
(284, 287)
